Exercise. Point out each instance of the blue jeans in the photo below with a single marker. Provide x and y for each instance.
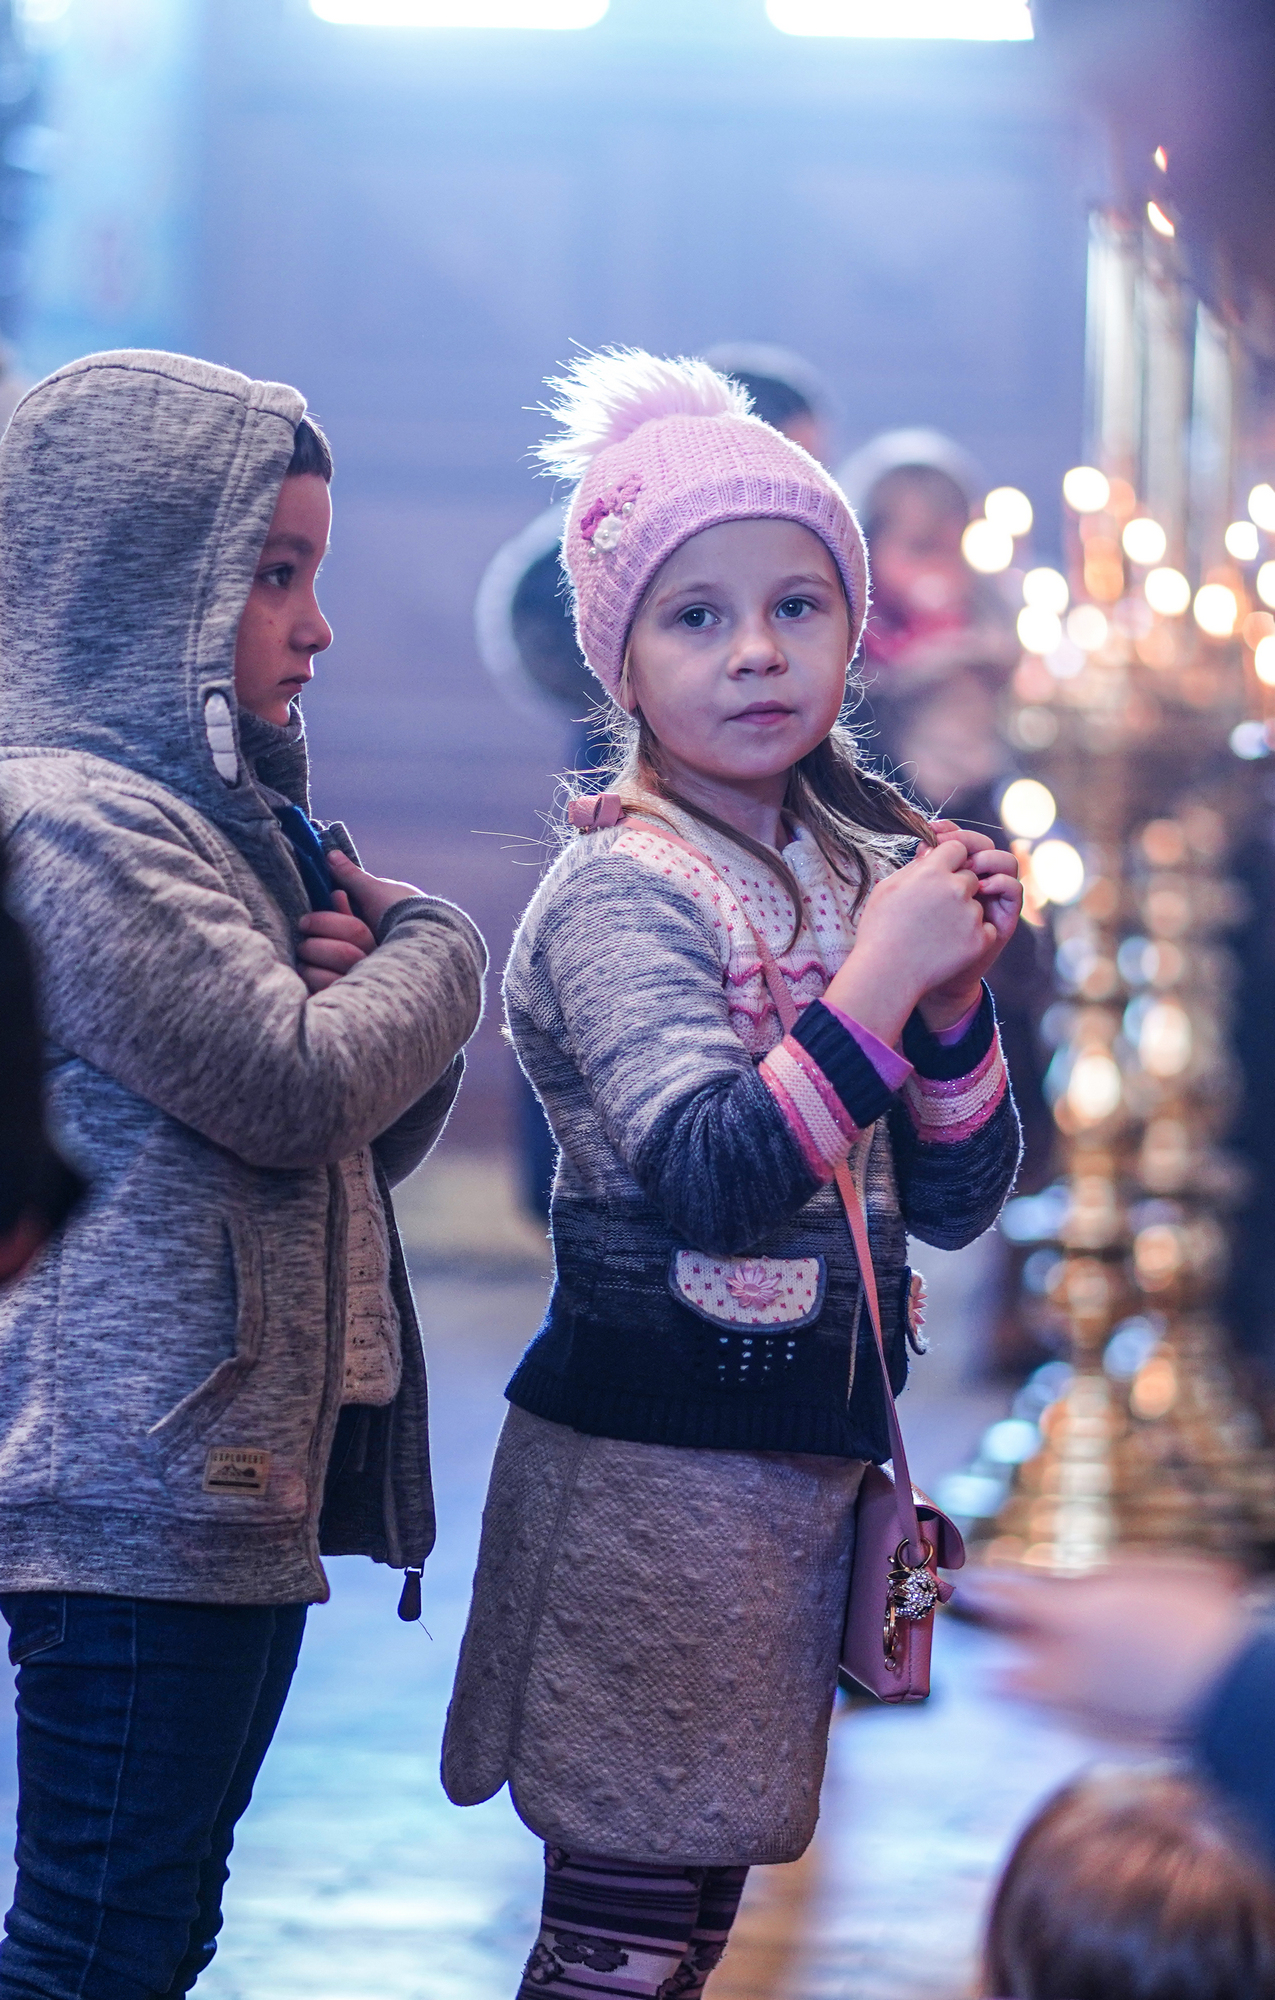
(141, 1729)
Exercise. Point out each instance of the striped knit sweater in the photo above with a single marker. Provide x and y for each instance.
(706, 1291)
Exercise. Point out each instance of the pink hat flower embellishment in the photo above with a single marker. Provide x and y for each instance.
(754, 1285)
(602, 523)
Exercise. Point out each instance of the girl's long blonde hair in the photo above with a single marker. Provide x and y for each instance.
(857, 818)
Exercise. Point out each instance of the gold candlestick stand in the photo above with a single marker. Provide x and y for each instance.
(1141, 722)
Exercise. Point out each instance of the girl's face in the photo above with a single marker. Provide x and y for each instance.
(738, 655)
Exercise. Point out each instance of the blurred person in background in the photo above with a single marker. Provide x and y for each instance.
(527, 639)
(1132, 1885)
(1152, 1649)
(939, 646)
(938, 651)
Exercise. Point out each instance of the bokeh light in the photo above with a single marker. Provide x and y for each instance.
(1094, 1088)
(1161, 223)
(1167, 591)
(1087, 627)
(1039, 630)
(1005, 507)
(1164, 1041)
(1216, 610)
(1261, 507)
(1086, 490)
(1058, 873)
(1248, 740)
(1264, 583)
(1144, 541)
(1264, 660)
(987, 548)
(1028, 808)
(1241, 541)
(1046, 590)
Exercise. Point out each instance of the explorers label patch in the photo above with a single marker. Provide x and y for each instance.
(235, 1469)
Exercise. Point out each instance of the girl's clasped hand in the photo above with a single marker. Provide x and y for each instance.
(928, 933)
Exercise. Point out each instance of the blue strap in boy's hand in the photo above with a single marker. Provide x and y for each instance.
(309, 855)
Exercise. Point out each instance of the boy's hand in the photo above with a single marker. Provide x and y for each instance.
(332, 943)
(371, 895)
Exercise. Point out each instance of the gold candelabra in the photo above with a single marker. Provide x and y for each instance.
(1141, 712)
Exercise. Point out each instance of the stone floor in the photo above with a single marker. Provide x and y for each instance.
(354, 1879)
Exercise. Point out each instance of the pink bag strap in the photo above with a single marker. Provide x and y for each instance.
(605, 814)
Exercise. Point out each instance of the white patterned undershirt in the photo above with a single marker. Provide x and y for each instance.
(373, 1336)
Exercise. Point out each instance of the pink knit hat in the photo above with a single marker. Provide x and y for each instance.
(663, 449)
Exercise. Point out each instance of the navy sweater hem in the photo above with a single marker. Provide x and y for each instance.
(733, 1424)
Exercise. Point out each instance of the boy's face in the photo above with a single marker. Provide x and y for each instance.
(282, 627)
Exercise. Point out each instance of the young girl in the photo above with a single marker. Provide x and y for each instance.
(652, 1649)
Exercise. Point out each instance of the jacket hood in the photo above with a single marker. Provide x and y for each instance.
(136, 490)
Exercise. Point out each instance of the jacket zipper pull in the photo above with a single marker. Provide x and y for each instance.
(409, 1604)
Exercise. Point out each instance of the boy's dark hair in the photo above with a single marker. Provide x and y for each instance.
(311, 452)
(1133, 1885)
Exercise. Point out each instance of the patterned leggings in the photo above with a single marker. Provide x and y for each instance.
(629, 1929)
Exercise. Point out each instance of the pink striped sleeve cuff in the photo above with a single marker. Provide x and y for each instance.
(892, 1068)
(819, 1121)
(944, 1112)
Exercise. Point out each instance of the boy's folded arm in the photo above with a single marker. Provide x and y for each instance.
(404, 1144)
(155, 973)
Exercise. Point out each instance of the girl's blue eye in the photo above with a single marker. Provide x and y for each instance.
(696, 617)
(279, 574)
(792, 607)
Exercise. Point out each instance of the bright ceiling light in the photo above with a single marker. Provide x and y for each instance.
(1085, 489)
(461, 13)
(906, 20)
(1161, 223)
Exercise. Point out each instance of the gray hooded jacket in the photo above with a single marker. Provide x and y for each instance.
(171, 1371)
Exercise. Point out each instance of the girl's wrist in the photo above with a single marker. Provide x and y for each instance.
(943, 1009)
(872, 998)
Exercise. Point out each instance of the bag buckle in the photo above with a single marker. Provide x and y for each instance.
(911, 1595)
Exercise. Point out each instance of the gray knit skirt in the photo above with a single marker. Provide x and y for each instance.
(651, 1655)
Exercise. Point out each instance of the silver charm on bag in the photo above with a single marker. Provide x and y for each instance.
(911, 1595)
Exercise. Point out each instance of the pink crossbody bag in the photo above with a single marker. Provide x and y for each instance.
(900, 1537)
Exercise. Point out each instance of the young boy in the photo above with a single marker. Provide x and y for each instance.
(215, 1372)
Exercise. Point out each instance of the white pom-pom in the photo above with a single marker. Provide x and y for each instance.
(605, 397)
